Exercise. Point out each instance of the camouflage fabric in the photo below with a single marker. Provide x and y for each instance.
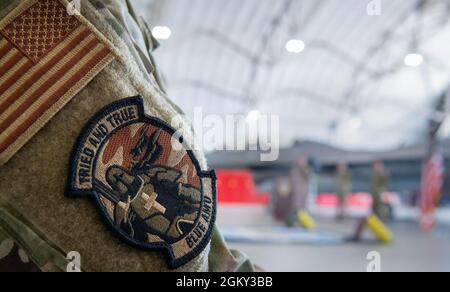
(13, 258)
(22, 249)
(222, 259)
(38, 241)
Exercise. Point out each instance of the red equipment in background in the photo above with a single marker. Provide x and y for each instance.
(238, 186)
(355, 203)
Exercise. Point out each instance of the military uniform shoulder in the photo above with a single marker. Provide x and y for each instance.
(22, 249)
(153, 192)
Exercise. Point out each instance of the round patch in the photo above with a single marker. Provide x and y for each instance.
(148, 187)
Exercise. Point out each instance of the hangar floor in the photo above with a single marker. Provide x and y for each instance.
(411, 250)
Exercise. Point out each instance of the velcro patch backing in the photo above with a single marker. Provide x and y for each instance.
(47, 55)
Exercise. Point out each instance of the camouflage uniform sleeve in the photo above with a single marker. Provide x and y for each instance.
(7, 6)
(12, 257)
(221, 258)
(22, 249)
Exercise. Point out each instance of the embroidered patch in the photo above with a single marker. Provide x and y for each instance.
(46, 57)
(147, 186)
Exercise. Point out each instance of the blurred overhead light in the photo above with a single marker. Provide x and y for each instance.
(253, 116)
(355, 123)
(161, 32)
(295, 46)
(413, 60)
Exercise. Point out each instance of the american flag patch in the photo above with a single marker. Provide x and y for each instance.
(46, 57)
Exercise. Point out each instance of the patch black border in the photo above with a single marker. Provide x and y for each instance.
(73, 192)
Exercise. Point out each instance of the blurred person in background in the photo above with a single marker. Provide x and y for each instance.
(283, 195)
(378, 187)
(343, 187)
(300, 182)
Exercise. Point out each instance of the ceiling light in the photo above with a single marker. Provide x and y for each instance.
(355, 123)
(295, 46)
(253, 116)
(413, 60)
(161, 32)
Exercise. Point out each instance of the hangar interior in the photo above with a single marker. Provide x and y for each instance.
(349, 82)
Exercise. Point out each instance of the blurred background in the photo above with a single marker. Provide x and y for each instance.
(360, 92)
